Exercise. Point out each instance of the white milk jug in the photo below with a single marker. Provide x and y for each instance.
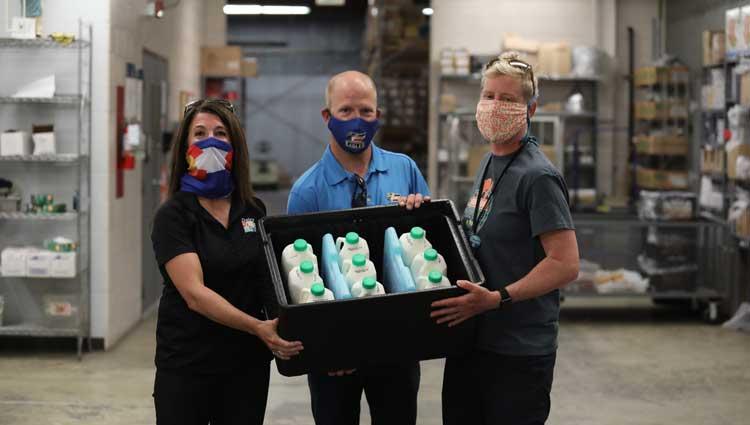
(433, 280)
(301, 277)
(368, 287)
(350, 245)
(413, 244)
(316, 293)
(357, 269)
(294, 254)
(429, 261)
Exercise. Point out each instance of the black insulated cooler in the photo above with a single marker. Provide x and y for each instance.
(357, 332)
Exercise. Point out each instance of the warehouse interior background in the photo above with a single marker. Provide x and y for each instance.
(644, 107)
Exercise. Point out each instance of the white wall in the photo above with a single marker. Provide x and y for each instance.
(479, 25)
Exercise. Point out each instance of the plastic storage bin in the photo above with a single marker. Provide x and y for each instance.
(398, 325)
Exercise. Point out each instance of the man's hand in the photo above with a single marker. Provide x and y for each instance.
(458, 309)
(414, 200)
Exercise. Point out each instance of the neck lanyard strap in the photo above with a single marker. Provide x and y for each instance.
(475, 223)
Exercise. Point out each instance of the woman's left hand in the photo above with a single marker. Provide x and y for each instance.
(414, 200)
(281, 348)
(458, 309)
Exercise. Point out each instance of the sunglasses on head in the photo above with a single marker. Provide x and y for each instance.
(359, 197)
(191, 105)
(516, 63)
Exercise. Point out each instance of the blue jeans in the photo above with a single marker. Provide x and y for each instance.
(391, 393)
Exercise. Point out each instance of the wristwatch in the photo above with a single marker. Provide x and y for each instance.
(504, 298)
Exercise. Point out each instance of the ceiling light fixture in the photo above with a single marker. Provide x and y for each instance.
(256, 9)
(427, 11)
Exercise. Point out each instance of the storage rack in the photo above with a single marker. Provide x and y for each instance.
(557, 132)
(66, 175)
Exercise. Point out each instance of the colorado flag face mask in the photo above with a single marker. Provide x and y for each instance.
(209, 171)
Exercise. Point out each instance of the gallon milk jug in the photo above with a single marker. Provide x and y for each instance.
(413, 244)
(294, 254)
(350, 245)
(367, 288)
(433, 280)
(317, 292)
(429, 261)
(301, 277)
(357, 269)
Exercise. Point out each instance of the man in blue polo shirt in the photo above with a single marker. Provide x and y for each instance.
(355, 173)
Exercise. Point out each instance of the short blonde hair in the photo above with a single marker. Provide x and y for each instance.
(504, 65)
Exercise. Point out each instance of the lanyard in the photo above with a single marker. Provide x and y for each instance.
(475, 223)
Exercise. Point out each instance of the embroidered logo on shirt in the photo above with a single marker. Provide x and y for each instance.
(392, 197)
(248, 225)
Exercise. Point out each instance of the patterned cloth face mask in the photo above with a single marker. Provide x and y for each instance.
(499, 121)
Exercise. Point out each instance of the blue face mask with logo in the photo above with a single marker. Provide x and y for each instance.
(355, 135)
(209, 172)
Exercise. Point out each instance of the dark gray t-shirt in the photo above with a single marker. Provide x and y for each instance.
(532, 199)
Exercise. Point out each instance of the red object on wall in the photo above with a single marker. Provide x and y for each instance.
(120, 132)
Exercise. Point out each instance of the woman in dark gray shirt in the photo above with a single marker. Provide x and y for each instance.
(520, 228)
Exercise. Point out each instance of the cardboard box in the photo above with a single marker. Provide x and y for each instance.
(529, 49)
(222, 61)
(13, 262)
(63, 264)
(712, 161)
(555, 59)
(662, 145)
(39, 263)
(44, 143)
(713, 47)
(651, 75)
(733, 152)
(249, 68)
(15, 143)
(745, 89)
(648, 178)
(651, 110)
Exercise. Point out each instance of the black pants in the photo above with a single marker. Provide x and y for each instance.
(226, 399)
(391, 393)
(485, 388)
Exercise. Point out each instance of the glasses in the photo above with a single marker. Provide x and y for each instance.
(191, 105)
(519, 64)
(359, 197)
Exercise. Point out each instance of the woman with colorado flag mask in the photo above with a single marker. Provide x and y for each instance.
(213, 345)
(521, 231)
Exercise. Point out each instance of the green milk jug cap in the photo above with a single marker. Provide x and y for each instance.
(417, 232)
(435, 277)
(352, 238)
(300, 245)
(306, 267)
(430, 255)
(318, 289)
(359, 260)
(369, 282)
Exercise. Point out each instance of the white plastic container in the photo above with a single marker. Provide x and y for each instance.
(351, 245)
(434, 280)
(357, 269)
(368, 287)
(294, 254)
(300, 278)
(413, 244)
(429, 261)
(316, 293)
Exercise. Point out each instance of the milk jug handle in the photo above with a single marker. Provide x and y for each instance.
(340, 243)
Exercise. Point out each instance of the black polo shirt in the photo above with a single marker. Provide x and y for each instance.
(234, 266)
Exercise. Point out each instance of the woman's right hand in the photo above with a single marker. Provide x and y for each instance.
(281, 348)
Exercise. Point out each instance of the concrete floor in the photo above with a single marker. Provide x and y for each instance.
(624, 363)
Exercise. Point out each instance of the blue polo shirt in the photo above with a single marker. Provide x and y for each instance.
(328, 186)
